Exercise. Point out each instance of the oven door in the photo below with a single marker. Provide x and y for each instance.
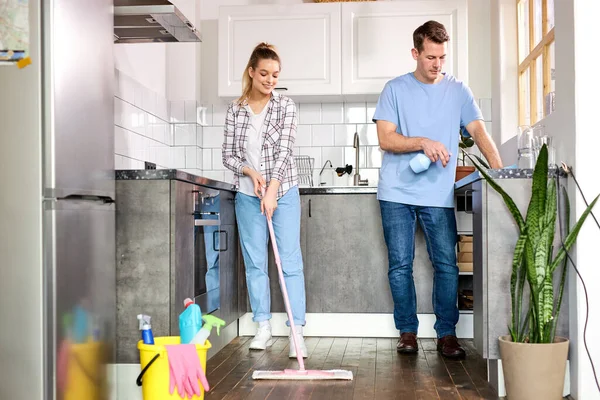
(207, 242)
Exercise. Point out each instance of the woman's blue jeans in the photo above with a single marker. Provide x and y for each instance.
(254, 238)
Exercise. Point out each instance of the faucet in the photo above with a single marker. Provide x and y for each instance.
(321, 183)
(357, 180)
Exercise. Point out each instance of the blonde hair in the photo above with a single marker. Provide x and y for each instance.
(263, 51)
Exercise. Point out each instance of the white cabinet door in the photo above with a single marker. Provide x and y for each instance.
(377, 40)
(307, 37)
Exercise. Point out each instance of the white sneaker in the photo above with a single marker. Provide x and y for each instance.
(263, 338)
(301, 344)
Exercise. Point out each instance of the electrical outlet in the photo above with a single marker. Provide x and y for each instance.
(149, 165)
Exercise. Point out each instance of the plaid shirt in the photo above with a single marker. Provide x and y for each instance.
(278, 136)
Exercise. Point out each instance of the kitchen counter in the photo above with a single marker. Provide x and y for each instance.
(171, 174)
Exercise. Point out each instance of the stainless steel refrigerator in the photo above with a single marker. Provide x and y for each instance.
(57, 217)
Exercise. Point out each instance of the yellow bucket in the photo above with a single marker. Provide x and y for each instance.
(85, 372)
(155, 368)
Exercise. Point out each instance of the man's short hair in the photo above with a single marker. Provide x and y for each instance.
(431, 30)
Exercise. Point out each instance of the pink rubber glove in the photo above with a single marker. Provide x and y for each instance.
(195, 371)
(177, 370)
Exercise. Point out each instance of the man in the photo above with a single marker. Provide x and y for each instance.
(423, 111)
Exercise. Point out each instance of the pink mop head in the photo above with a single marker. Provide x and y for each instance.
(304, 375)
(301, 373)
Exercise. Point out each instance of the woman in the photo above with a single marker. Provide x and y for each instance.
(260, 130)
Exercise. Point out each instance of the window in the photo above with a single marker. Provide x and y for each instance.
(536, 58)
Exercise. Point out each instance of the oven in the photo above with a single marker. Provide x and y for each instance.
(209, 242)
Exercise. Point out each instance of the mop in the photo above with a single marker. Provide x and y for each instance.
(300, 373)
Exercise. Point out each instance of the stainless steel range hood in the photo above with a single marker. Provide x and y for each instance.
(147, 21)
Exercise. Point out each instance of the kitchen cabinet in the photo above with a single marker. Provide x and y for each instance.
(494, 238)
(377, 40)
(336, 49)
(167, 238)
(345, 258)
(307, 37)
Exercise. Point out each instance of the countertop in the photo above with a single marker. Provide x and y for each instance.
(168, 174)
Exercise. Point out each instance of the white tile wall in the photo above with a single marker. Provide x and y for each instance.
(182, 135)
(150, 128)
(325, 132)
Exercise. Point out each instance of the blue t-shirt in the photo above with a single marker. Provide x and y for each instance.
(435, 111)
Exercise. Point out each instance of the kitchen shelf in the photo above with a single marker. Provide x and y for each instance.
(465, 311)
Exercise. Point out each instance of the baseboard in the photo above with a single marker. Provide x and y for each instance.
(354, 325)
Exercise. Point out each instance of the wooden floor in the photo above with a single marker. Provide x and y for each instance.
(379, 372)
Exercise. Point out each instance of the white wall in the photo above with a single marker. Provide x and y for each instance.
(574, 128)
(587, 143)
(144, 62)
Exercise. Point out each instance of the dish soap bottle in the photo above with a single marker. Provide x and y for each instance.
(190, 321)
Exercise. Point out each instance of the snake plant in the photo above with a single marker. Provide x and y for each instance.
(534, 258)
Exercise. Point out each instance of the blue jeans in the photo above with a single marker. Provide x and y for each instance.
(439, 226)
(254, 235)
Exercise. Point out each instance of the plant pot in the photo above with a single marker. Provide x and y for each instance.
(532, 370)
(463, 171)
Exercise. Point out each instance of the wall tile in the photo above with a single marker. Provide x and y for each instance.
(309, 114)
(178, 157)
(304, 136)
(322, 135)
(217, 160)
(212, 137)
(219, 113)
(191, 156)
(344, 134)
(355, 113)
(334, 154)
(370, 112)
(185, 135)
(332, 113)
(206, 159)
(368, 135)
(177, 111)
(374, 156)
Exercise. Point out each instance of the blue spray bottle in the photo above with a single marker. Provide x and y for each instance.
(147, 336)
(190, 321)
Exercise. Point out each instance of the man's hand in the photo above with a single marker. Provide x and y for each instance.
(435, 151)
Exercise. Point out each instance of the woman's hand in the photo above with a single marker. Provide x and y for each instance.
(257, 179)
(268, 204)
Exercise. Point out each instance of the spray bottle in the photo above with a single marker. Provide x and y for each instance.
(147, 336)
(190, 321)
(209, 322)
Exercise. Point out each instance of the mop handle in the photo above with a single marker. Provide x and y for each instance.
(286, 300)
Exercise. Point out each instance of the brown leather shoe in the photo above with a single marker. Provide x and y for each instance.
(448, 346)
(407, 343)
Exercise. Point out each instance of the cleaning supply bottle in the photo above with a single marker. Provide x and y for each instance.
(209, 322)
(190, 321)
(419, 163)
(146, 328)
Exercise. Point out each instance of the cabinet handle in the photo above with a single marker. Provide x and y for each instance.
(215, 233)
(469, 192)
(309, 208)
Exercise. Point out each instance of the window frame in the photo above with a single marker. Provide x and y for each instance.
(529, 63)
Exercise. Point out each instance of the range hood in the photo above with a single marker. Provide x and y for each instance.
(147, 21)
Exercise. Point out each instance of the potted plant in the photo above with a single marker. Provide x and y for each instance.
(533, 358)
